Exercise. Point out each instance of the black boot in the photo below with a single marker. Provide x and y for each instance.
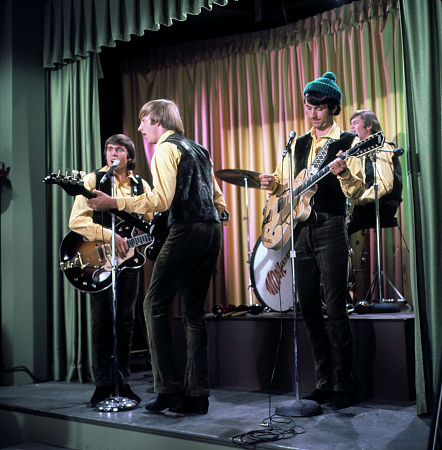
(166, 401)
(101, 393)
(319, 396)
(126, 391)
(194, 405)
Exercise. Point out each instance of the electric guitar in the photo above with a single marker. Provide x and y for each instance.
(276, 214)
(87, 264)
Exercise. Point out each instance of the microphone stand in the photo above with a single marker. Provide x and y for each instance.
(249, 253)
(304, 407)
(383, 305)
(116, 403)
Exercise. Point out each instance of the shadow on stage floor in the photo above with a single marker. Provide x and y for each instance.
(56, 414)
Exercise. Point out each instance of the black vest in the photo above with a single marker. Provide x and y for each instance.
(193, 200)
(105, 218)
(329, 197)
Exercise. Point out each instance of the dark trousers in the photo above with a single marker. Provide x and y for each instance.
(185, 263)
(321, 274)
(102, 328)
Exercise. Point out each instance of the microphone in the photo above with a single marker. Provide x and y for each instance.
(289, 143)
(398, 151)
(110, 171)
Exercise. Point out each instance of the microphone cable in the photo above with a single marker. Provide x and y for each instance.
(276, 426)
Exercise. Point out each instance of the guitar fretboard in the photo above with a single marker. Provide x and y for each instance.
(362, 148)
(142, 239)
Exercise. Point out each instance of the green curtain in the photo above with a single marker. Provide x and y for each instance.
(73, 143)
(421, 23)
(75, 31)
(241, 95)
(77, 28)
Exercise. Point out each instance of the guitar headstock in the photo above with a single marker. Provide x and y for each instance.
(73, 184)
(367, 146)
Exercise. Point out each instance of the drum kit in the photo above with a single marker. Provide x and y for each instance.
(270, 273)
(269, 270)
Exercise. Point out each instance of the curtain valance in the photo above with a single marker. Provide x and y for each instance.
(326, 23)
(75, 28)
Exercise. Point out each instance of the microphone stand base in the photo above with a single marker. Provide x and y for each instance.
(299, 408)
(116, 404)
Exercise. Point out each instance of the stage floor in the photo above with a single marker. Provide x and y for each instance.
(53, 413)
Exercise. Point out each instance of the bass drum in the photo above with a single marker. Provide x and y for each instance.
(271, 277)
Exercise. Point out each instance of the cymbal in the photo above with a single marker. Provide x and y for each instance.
(237, 176)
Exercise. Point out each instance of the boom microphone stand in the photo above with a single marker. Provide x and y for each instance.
(117, 403)
(304, 407)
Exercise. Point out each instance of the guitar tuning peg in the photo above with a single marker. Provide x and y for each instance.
(74, 173)
(66, 174)
(82, 174)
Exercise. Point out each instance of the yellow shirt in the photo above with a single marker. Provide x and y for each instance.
(164, 167)
(80, 219)
(351, 182)
(384, 174)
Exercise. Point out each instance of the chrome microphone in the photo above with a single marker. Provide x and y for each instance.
(289, 143)
(110, 171)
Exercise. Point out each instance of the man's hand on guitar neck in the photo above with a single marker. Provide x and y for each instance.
(102, 202)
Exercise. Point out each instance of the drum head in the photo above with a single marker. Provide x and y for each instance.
(271, 276)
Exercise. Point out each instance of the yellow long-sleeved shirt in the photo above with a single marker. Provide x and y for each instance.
(384, 174)
(352, 180)
(164, 167)
(80, 219)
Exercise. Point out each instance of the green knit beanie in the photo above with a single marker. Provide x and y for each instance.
(325, 85)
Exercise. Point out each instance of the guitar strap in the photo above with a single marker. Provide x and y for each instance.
(320, 158)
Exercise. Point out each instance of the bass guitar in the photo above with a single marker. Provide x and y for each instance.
(276, 214)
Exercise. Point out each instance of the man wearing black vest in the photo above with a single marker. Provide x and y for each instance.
(388, 174)
(184, 184)
(322, 244)
(96, 226)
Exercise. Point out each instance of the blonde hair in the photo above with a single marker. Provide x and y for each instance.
(165, 112)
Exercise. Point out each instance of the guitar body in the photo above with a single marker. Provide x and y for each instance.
(276, 214)
(159, 231)
(88, 264)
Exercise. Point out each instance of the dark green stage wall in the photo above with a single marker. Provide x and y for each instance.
(23, 297)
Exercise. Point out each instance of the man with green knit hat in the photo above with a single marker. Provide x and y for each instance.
(321, 242)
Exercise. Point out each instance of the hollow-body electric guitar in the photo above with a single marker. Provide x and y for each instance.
(87, 264)
(276, 214)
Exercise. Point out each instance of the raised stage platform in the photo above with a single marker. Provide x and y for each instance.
(242, 351)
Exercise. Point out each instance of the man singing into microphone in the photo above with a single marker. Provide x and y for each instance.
(119, 153)
(322, 245)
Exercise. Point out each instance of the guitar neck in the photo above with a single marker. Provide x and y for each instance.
(137, 223)
(142, 239)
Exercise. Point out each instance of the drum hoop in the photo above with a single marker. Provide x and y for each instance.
(252, 274)
(253, 281)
